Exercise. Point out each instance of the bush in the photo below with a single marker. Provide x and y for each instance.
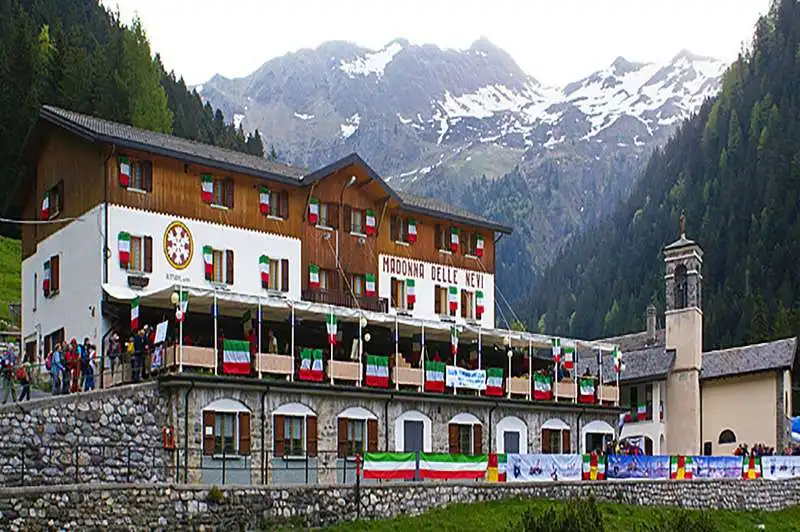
(685, 520)
(578, 515)
(215, 495)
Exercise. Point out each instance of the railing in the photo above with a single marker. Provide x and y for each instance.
(345, 299)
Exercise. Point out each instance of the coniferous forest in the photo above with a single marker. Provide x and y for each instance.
(734, 169)
(76, 55)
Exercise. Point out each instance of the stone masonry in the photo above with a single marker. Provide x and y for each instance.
(169, 507)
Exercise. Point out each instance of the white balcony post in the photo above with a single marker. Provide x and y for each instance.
(216, 336)
(258, 351)
(291, 342)
(396, 354)
(530, 369)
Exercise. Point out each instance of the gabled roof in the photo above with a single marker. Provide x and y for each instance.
(779, 354)
(652, 363)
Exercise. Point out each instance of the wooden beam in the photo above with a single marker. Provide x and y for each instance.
(308, 199)
(383, 213)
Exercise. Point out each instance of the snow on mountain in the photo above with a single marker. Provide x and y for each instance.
(371, 63)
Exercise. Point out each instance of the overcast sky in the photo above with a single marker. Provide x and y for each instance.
(556, 41)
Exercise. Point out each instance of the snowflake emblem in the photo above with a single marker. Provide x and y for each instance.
(178, 245)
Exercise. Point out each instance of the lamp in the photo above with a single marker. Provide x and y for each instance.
(363, 322)
(174, 298)
(367, 337)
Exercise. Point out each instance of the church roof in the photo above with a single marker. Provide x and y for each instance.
(682, 242)
(779, 354)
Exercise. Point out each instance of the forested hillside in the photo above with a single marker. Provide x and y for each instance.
(735, 171)
(74, 54)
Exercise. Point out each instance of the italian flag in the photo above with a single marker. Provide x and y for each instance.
(479, 305)
(494, 382)
(46, 278)
(184, 305)
(370, 289)
(263, 266)
(45, 207)
(681, 468)
(452, 297)
(454, 240)
(617, 360)
(206, 188)
(479, 246)
(208, 260)
(569, 357)
(454, 340)
(311, 364)
(377, 371)
(411, 293)
(331, 328)
(134, 313)
(594, 467)
(751, 467)
(313, 211)
(371, 223)
(641, 412)
(586, 390)
(124, 248)
(236, 357)
(390, 466)
(313, 276)
(124, 171)
(442, 466)
(542, 387)
(263, 200)
(556, 350)
(412, 230)
(434, 376)
(496, 470)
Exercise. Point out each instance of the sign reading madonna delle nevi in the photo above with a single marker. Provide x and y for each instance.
(428, 276)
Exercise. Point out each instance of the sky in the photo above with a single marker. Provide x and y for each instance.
(556, 41)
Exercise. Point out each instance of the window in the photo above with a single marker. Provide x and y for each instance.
(470, 242)
(440, 305)
(135, 263)
(278, 275)
(555, 441)
(224, 430)
(51, 282)
(467, 304)
(222, 266)
(35, 290)
(50, 341)
(279, 204)
(53, 201)
(399, 229)
(355, 436)
(293, 435)
(141, 176)
(442, 237)
(358, 283)
(465, 438)
(222, 195)
(681, 287)
(328, 280)
(400, 294)
(274, 273)
(328, 216)
(727, 436)
(357, 221)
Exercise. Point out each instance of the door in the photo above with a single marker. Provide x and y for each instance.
(511, 442)
(412, 436)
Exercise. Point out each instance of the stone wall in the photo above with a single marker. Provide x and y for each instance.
(161, 507)
(111, 435)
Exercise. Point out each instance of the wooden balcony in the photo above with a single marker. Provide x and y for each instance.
(565, 390)
(520, 386)
(274, 364)
(344, 371)
(344, 298)
(608, 394)
(407, 376)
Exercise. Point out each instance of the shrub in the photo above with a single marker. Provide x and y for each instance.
(215, 495)
(578, 515)
(672, 520)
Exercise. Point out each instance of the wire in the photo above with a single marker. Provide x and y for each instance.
(41, 222)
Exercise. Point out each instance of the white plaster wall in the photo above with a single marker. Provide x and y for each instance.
(424, 287)
(247, 245)
(511, 424)
(79, 247)
(413, 415)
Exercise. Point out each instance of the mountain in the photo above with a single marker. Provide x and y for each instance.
(734, 168)
(470, 126)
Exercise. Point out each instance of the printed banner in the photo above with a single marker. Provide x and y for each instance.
(465, 378)
(779, 467)
(630, 467)
(543, 467)
(441, 466)
(390, 466)
(717, 466)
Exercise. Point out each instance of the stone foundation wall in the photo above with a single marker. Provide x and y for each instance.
(160, 507)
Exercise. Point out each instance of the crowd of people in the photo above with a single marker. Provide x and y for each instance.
(72, 366)
(758, 449)
(14, 369)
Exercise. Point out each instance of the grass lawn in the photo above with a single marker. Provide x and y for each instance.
(504, 515)
(10, 264)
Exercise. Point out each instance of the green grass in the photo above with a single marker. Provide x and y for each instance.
(10, 265)
(505, 515)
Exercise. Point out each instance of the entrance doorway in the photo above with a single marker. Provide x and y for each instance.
(412, 436)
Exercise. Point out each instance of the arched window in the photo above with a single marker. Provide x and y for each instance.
(727, 436)
(681, 287)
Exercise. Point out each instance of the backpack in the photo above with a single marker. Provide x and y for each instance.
(22, 375)
(48, 362)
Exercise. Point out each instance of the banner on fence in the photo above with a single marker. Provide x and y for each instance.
(594, 467)
(496, 471)
(634, 466)
(542, 387)
(778, 467)
(751, 467)
(390, 466)
(543, 467)
(464, 378)
(681, 467)
(443, 466)
(717, 466)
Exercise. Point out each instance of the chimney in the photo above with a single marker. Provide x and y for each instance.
(651, 323)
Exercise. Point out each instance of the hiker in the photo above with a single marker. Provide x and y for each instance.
(7, 378)
(138, 355)
(114, 351)
(53, 365)
(88, 382)
(73, 366)
(24, 378)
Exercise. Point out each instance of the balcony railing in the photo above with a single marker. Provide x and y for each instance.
(342, 298)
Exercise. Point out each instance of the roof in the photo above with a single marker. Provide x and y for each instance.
(779, 354)
(637, 341)
(682, 242)
(652, 363)
(100, 130)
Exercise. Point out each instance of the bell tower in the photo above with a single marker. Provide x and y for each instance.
(684, 334)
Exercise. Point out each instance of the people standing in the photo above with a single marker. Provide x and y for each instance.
(138, 355)
(55, 368)
(24, 378)
(7, 378)
(73, 366)
(114, 351)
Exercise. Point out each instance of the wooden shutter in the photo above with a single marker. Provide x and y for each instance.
(394, 292)
(55, 274)
(229, 266)
(278, 443)
(348, 219)
(148, 254)
(463, 303)
(283, 202)
(437, 237)
(452, 430)
(284, 275)
(244, 433)
(311, 436)
(342, 436)
(333, 215)
(147, 176)
(394, 228)
(208, 433)
(545, 441)
(372, 435)
(477, 439)
(437, 299)
(565, 441)
(228, 184)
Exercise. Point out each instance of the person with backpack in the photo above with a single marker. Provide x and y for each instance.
(24, 378)
(53, 365)
(7, 378)
(87, 365)
(83, 360)
(72, 367)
